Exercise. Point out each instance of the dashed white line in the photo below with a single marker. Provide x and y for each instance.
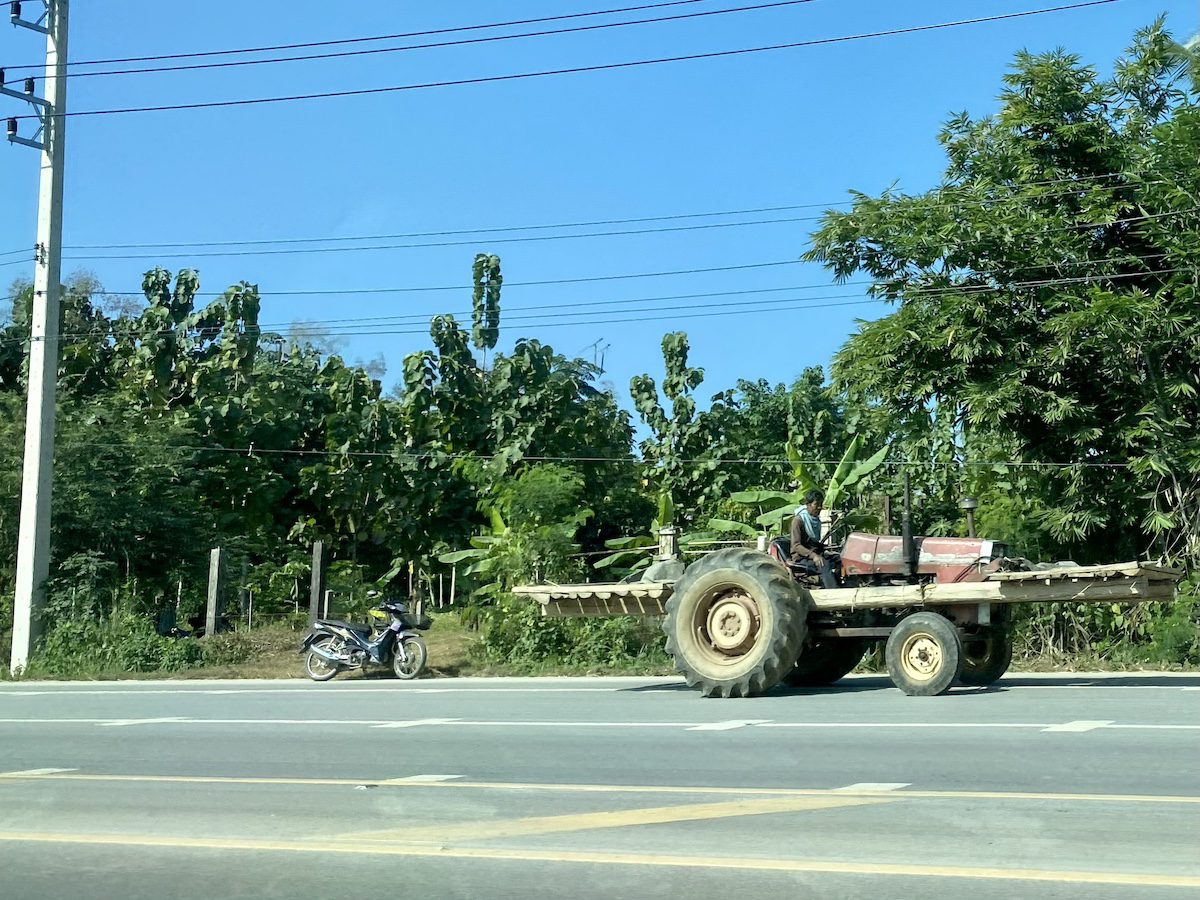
(1080, 725)
(727, 726)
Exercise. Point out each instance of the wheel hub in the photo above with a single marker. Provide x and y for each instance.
(732, 623)
(922, 656)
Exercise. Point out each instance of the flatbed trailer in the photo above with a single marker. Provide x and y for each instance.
(738, 623)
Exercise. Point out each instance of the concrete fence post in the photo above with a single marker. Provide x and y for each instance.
(316, 591)
(216, 589)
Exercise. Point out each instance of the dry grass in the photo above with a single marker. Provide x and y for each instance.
(272, 652)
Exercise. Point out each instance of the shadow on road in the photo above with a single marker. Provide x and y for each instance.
(1114, 680)
(865, 683)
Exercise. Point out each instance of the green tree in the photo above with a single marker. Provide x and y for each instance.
(1045, 296)
(485, 301)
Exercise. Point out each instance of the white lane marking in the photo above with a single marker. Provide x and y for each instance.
(727, 726)
(904, 725)
(875, 786)
(1179, 727)
(1101, 687)
(28, 772)
(391, 689)
(1077, 726)
(422, 779)
(1080, 725)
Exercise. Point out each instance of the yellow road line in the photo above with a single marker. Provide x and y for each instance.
(832, 867)
(612, 788)
(623, 818)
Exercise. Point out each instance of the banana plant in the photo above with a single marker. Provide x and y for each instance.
(775, 508)
(631, 554)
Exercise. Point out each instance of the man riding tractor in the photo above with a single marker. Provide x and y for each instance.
(808, 552)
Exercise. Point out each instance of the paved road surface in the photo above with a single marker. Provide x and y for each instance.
(1059, 786)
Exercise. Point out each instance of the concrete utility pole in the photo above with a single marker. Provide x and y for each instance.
(33, 542)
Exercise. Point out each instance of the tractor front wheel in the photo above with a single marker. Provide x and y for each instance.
(735, 623)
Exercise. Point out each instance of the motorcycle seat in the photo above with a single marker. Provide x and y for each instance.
(356, 627)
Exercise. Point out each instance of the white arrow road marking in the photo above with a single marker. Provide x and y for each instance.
(29, 773)
(415, 723)
(1080, 725)
(121, 723)
(422, 779)
(729, 725)
(875, 786)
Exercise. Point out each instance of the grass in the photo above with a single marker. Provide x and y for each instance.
(271, 652)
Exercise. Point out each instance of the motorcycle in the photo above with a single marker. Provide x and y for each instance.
(335, 646)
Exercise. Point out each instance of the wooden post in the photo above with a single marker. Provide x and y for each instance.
(243, 588)
(316, 591)
(216, 585)
(453, 576)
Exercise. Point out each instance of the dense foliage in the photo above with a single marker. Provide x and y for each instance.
(1042, 354)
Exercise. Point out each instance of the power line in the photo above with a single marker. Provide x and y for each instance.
(579, 69)
(507, 284)
(491, 230)
(464, 243)
(668, 229)
(753, 306)
(440, 44)
(358, 40)
(959, 289)
(983, 201)
(252, 451)
(561, 308)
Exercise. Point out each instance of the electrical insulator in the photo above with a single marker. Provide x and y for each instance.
(29, 86)
(16, 9)
(12, 127)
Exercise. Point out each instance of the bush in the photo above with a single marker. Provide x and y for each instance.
(82, 646)
(515, 633)
(1176, 633)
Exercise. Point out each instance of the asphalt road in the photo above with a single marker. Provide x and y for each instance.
(1059, 786)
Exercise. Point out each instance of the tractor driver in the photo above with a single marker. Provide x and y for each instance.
(808, 551)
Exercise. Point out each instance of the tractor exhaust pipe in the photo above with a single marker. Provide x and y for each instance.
(909, 545)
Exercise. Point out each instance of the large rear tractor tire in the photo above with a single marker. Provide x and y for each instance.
(924, 654)
(735, 623)
(986, 657)
(825, 661)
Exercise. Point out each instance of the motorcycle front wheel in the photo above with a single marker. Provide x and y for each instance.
(411, 663)
(316, 666)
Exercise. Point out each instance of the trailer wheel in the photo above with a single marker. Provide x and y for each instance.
(986, 657)
(735, 623)
(825, 661)
(924, 654)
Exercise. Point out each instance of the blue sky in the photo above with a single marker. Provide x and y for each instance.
(761, 130)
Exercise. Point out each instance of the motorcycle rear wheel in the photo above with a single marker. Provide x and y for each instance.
(411, 663)
(316, 666)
